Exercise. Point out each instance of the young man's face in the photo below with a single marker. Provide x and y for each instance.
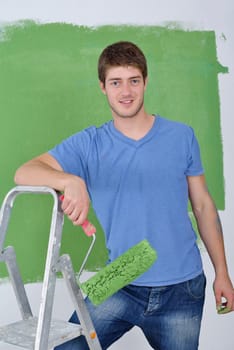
(124, 89)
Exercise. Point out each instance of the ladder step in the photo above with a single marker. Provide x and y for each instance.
(23, 333)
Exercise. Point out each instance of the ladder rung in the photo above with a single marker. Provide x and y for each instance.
(23, 333)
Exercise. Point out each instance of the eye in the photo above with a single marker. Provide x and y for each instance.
(115, 83)
(135, 81)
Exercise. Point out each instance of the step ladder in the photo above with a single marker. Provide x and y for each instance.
(42, 332)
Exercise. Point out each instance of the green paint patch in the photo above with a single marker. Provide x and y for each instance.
(49, 90)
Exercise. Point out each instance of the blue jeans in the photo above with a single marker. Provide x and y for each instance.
(169, 316)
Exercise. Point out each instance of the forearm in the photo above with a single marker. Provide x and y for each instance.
(45, 171)
(37, 173)
(208, 222)
(210, 230)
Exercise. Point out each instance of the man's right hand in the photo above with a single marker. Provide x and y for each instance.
(76, 200)
(44, 170)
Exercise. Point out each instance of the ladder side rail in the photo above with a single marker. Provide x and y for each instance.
(5, 213)
(8, 202)
(50, 274)
(17, 283)
(65, 266)
(8, 254)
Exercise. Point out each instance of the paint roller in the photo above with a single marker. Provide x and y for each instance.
(120, 272)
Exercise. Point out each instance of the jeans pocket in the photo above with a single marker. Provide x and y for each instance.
(196, 286)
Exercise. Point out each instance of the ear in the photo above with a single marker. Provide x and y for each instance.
(102, 86)
(146, 83)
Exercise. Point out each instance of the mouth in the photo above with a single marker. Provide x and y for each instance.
(126, 102)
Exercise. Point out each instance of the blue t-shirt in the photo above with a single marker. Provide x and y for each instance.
(139, 191)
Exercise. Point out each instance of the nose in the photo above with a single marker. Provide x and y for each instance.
(126, 88)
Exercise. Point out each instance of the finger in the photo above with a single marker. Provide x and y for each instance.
(230, 301)
(70, 208)
(81, 218)
(218, 298)
(74, 215)
(220, 304)
(65, 203)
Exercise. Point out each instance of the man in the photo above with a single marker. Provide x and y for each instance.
(139, 170)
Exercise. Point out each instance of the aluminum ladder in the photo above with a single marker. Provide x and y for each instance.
(42, 332)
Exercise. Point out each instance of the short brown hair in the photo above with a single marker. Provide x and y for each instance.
(122, 53)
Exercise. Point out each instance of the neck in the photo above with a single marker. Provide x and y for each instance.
(136, 127)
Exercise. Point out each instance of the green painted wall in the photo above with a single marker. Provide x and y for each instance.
(49, 90)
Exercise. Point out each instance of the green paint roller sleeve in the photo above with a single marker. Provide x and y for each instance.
(122, 271)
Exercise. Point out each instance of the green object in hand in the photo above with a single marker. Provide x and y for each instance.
(223, 309)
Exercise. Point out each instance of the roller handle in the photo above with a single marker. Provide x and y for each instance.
(88, 228)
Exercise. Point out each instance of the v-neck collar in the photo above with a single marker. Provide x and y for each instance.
(136, 143)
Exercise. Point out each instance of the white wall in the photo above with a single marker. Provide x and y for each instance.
(217, 331)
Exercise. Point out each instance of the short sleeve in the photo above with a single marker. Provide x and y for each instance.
(194, 162)
(72, 153)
